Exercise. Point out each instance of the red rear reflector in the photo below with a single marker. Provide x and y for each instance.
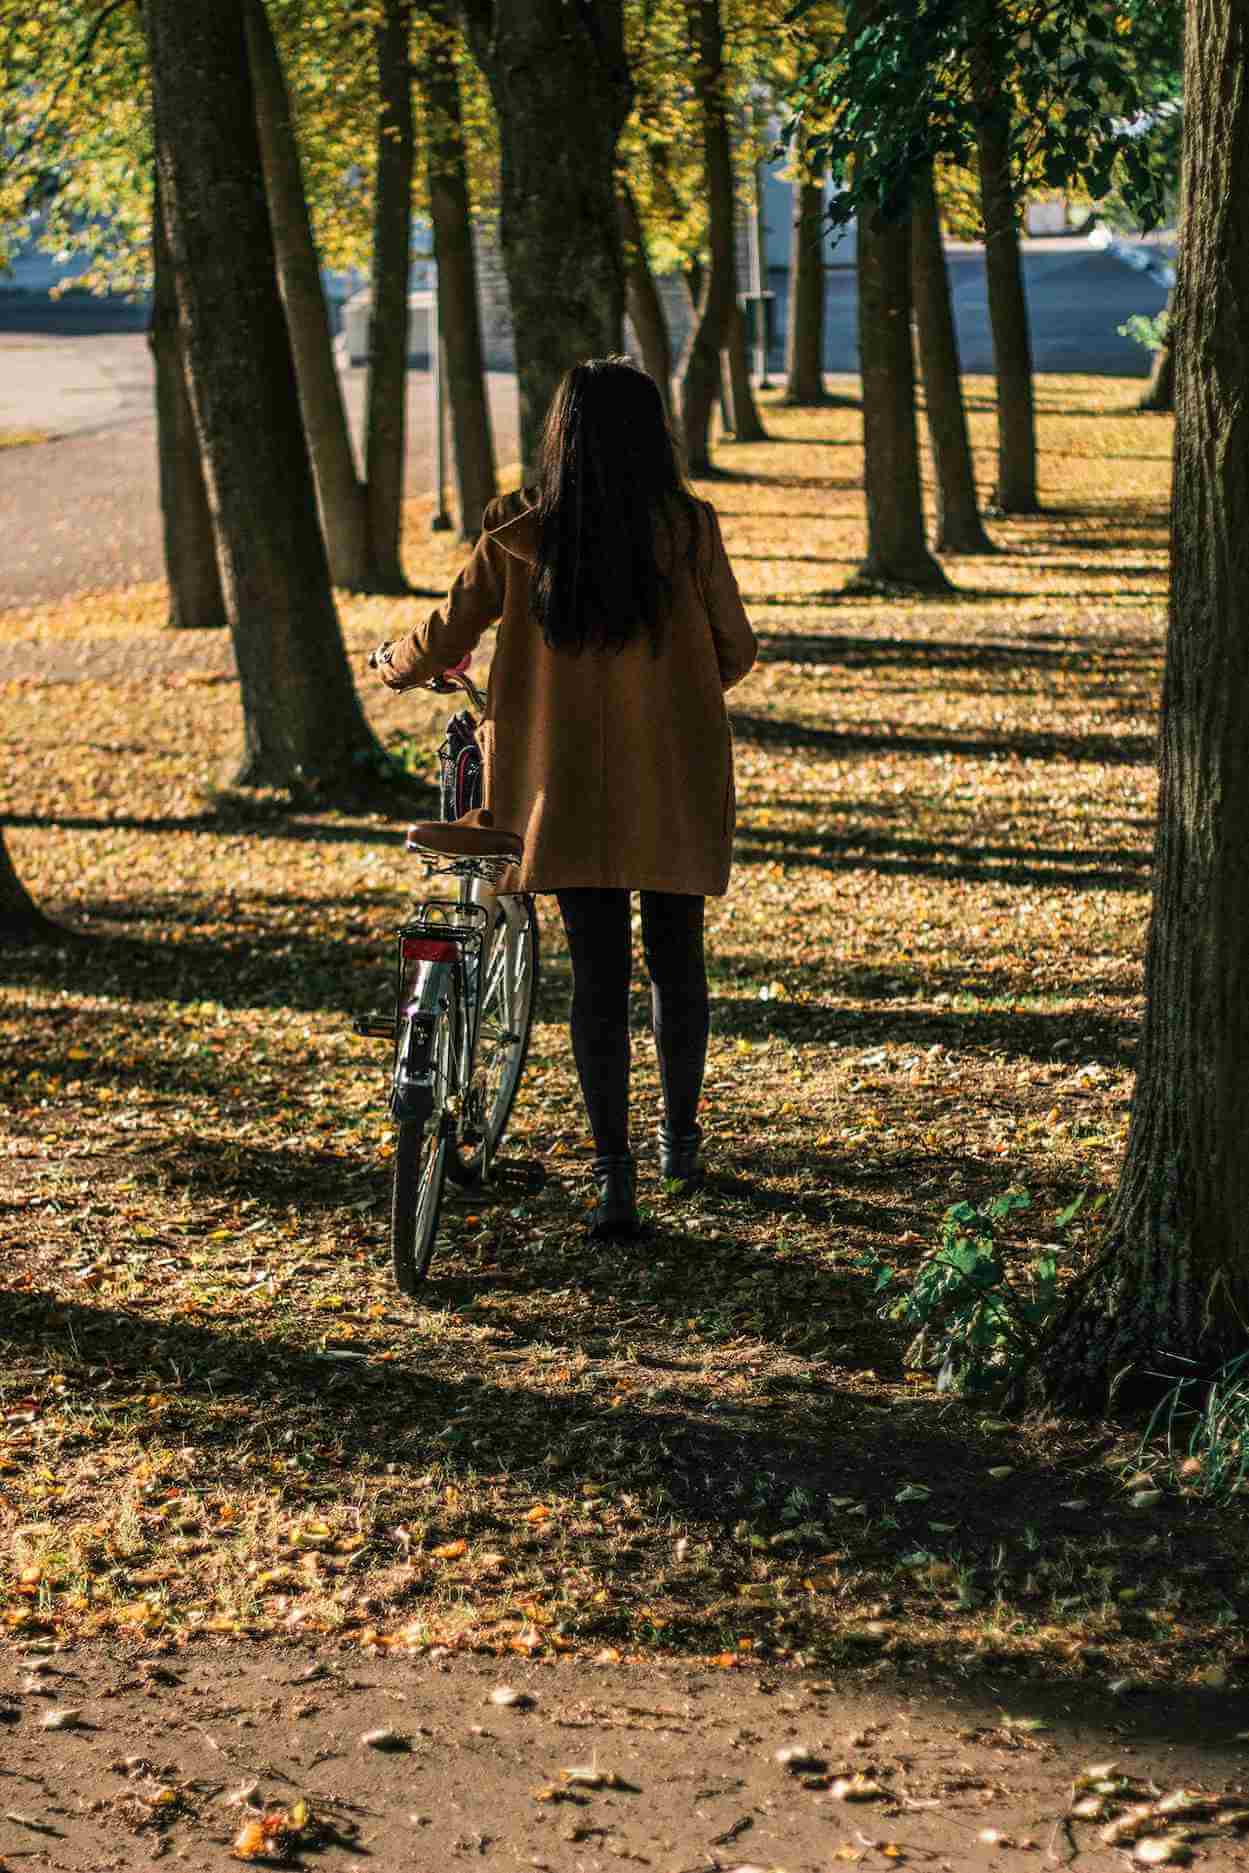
(428, 950)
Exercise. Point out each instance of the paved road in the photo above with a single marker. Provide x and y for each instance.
(80, 513)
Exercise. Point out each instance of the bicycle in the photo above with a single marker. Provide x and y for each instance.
(465, 986)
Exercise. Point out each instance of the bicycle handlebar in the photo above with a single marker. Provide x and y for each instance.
(451, 681)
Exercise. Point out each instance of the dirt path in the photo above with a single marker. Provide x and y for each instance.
(680, 1765)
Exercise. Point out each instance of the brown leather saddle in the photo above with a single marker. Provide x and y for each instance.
(473, 835)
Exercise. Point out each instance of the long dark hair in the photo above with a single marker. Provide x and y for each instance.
(611, 500)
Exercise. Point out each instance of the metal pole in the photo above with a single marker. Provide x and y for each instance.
(441, 522)
(758, 239)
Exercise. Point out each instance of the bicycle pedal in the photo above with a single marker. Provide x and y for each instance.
(517, 1176)
(375, 1027)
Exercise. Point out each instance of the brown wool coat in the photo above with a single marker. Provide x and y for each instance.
(615, 767)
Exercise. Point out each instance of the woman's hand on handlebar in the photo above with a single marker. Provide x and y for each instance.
(445, 682)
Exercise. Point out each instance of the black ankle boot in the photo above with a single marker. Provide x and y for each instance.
(680, 1161)
(616, 1212)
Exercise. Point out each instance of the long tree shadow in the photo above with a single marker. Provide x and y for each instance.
(816, 1440)
(1025, 1033)
(1075, 654)
(1127, 750)
(262, 960)
(1088, 869)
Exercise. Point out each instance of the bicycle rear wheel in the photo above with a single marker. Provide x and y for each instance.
(506, 1022)
(422, 1149)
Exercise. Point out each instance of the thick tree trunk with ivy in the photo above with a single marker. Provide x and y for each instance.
(735, 366)
(344, 507)
(302, 719)
(896, 552)
(804, 341)
(196, 601)
(451, 215)
(1159, 393)
(1016, 491)
(21, 920)
(386, 391)
(642, 301)
(959, 528)
(1172, 1295)
(561, 88)
(700, 366)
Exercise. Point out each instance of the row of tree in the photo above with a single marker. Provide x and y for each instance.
(1058, 83)
(671, 113)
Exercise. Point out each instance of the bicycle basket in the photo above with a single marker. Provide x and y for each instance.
(460, 761)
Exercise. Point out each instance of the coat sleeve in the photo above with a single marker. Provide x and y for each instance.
(735, 644)
(452, 629)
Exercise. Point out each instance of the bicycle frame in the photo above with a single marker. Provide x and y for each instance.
(447, 937)
(445, 940)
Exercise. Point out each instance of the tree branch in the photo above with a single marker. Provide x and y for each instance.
(80, 58)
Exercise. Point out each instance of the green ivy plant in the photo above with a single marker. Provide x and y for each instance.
(977, 1324)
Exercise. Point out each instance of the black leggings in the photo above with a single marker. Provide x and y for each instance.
(597, 923)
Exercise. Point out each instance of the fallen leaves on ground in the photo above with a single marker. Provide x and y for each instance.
(217, 1416)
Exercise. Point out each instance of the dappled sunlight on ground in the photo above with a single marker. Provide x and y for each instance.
(221, 1416)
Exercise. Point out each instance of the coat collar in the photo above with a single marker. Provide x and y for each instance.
(519, 535)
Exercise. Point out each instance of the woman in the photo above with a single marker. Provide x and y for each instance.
(605, 741)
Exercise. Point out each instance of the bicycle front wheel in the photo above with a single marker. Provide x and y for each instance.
(505, 1024)
(422, 1148)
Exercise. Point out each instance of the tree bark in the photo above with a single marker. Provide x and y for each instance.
(1171, 1296)
(1159, 393)
(642, 301)
(344, 507)
(896, 553)
(700, 366)
(804, 341)
(386, 393)
(451, 215)
(21, 920)
(1016, 491)
(959, 528)
(302, 720)
(735, 367)
(196, 601)
(561, 87)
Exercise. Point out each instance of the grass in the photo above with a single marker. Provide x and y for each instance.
(22, 438)
(218, 1415)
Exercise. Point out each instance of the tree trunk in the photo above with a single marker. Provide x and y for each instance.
(1016, 491)
(1174, 1287)
(958, 517)
(386, 393)
(561, 87)
(735, 368)
(804, 341)
(344, 507)
(451, 215)
(196, 601)
(642, 301)
(21, 920)
(700, 366)
(896, 553)
(1159, 393)
(302, 720)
